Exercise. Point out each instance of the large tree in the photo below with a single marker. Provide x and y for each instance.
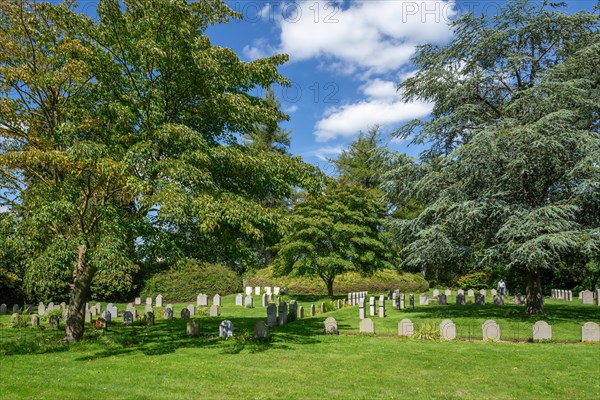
(120, 132)
(515, 129)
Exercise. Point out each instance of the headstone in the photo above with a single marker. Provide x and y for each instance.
(127, 318)
(148, 308)
(138, 301)
(214, 310)
(491, 330)
(226, 329)
(312, 310)
(499, 300)
(185, 314)
(191, 309)
(587, 297)
(598, 297)
(470, 293)
(395, 302)
(460, 291)
(402, 301)
(248, 290)
(63, 305)
(436, 292)
(264, 300)
(159, 300)
(339, 304)
(293, 313)
(542, 331)
(442, 299)
(14, 318)
(41, 309)
(448, 330)
(282, 317)
(276, 290)
(149, 319)
(366, 326)
(3, 310)
(257, 290)
(88, 317)
(16, 308)
(239, 300)
(381, 306)
(350, 298)
(448, 292)
(50, 306)
(272, 314)
(570, 295)
(106, 315)
(493, 292)
(170, 306)
(35, 320)
(372, 306)
(248, 303)
(98, 307)
(361, 309)
(217, 300)
(519, 299)
(168, 314)
(193, 328)
(483, 292)
(590, 332)
(149, 301)
(423, 299)
(54, 323)
(323, 307)
(406, 327)
(268, 290)
(261, 330)
(202, 300)
(411, 300)
(479, 299)
(460, 299)
(330, 326)
(300, 312)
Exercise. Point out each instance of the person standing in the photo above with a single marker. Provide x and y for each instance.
(501, 287)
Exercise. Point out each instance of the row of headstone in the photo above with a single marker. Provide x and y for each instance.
(561, 294)
(372, 307)
(355, 297)
(275, 290)
(399, 300)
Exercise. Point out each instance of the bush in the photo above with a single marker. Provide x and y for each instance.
(187, 279)
(475, 281)
(380, 281)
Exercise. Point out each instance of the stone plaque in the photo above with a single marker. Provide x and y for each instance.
(491, 330)
(330, 326)
(406, 327)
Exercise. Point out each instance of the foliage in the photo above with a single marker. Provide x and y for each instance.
(186, 280)
(378, 282)
(475, 280)
(427, 331)
(511, 177)
(332, 233)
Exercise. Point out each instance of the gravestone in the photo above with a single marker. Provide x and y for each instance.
(138, 301)
(479, 299)
(491, 330)
(35, 320)
(248, 303)
(98, 307)
(300, 312)
(460, 299)
(191, 309)
(411, 300)
(170, 306)
(149, 319)
(239, 300)
(193, 328)
(448, 329)
(214, 310)
(395, 305)
(483, 292)
(276, 290)
(361, 309)
(50, 306)
(16, 308)
(330, 326)
(366, 326)
(268, 290)
(381, 306)
(248, 290)
(3, 310)
(272, 314)
(312, 310)
(350, 299)
(271, 297)
(127, 318)
(499, 300)
(41, 309)
(217, 300)
(323, 307)
(493, 292)
(202, 300)
(372, 306)
(423, 299)
(14, 318)
(185, 314)
(293, 313)
(448, 292)
(257, 290)
(542, 331)
(587, 297)
(226, 329)
(88, 317)
(282, 317)
(402, 301)
(442, 299)
(436, 292)
(54, 322)
(168, 314)
(261, 330)
(264, 300)
(159, 300)
(406, 327)
(29, 308)
(148, 308)
(106, 315)
(339, 304)
(460, 291)
(470, 293)
(148, 301)
(519, 299)
(590, 332)
(598, 297)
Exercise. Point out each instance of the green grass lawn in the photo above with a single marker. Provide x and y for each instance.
(161, 362)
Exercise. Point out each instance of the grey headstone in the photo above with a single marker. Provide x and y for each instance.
(106, 315)
(149, 318)
(448, 330)
(148, 308)
(239, 300)
(411, 300)
(248, 303)
(217, 300)
(185, 314)
(293, 310)
(282, 317)
(460, 291)
(448, 292)
(491, 330)
(587, 297)
(323, 308)
(330, 326)
(41, 309)
(519, 300)
(442, 299)
(300, 312)
(16, 308)
(460, 299)
(372, 306)
(402, 304)
(590, 332)
(114, 313)
(248, 290)
(149, 301)
(264, 299)
(276, 290)
(470, 293)
(226, 329)
(312, 310)
(35, 320)
(483, 292)
(193, 328)
(257, 290)
(138, 301)
(202, 300)
(272, 314)
(436, 292)
(542, 331)
(168, 314)
(381, 306)
(54, 322)
(128, 318)
(406, 327)
(261, 330)
(191, 309)
(98, 307)
(3, 310)
(499, 300)
(479, 299)
(339, 304)
(423, 299)
(214, 310)
(159, 300)
(361, 309)
(493, 292)
(268, 290)
(88, 317)
(366, 326)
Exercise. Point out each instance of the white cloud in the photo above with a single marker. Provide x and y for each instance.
(327, 152)
(291, 109)
(260, 48)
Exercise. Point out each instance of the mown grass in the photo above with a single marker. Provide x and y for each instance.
(161, 362)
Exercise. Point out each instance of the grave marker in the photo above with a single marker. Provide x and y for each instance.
(491, 330)
(590, 332)
(381, 306)
(272, 314)
(282, 317)
(261, 330)
(248, 303)
(168, 314)
(406, 327)
(214, 310)
(159, 300)
(542, 331)
(448, 329)
(217, 300)
(366, 326)
(239, 300)
(127, 318)
(330, 326)
(226, 329)
(185, 314)
(193, 328)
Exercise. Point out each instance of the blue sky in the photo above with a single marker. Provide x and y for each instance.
(346, 57)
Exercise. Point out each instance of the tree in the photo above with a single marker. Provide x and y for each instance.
(332, 233)
(117, 133)
(515, 123)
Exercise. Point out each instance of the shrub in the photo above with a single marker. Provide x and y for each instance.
(187, 279)
(475, 281)
(380, 281)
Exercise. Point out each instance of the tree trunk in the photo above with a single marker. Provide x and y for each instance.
(534, 297)
(82, 280)
(329, 283)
